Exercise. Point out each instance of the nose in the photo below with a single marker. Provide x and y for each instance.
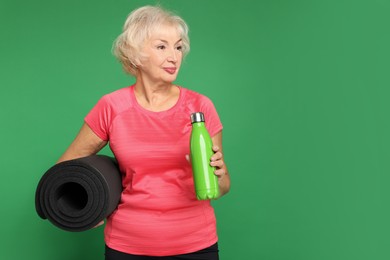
(172, 56)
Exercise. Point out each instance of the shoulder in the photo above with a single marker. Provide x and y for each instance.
(196, 102)
(196, 97)
(122, 94)
(117, 100)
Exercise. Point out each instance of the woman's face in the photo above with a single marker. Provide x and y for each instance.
(163, 55)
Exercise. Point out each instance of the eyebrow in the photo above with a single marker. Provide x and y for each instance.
(164, 41)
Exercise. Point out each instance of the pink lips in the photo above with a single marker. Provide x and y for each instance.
(170, 70)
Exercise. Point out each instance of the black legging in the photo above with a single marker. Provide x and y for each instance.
(210, 253)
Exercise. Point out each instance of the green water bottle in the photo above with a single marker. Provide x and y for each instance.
(205, 181)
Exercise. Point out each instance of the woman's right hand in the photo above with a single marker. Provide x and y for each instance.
(99, 224)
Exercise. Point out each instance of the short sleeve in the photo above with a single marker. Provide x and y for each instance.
(99, 118)
(212, 120)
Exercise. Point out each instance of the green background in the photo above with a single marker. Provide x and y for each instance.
(302, 88)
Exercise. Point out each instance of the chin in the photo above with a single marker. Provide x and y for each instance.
(169, 79)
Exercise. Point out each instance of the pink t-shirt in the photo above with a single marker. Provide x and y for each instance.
(158, 214)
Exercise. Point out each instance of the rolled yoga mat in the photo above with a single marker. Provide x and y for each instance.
(76, 195)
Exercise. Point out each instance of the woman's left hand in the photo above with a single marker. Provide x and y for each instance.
(217, 162)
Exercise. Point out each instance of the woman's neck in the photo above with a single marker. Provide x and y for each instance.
(156, 97)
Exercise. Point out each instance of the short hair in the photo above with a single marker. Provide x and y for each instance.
(138, 27)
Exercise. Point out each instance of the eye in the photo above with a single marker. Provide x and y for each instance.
(179, 48)
(161, 47)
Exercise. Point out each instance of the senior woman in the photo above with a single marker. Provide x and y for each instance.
(147, 126)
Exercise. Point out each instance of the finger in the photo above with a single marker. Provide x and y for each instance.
(216, 156)
(218, 163)
(215, 148)
(99, 224)
(219, 173)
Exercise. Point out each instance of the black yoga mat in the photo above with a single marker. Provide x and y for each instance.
(76, 195)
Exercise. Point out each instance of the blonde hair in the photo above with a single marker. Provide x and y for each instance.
(138, 27)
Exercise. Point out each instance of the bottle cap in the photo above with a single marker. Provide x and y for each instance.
(197, 117)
